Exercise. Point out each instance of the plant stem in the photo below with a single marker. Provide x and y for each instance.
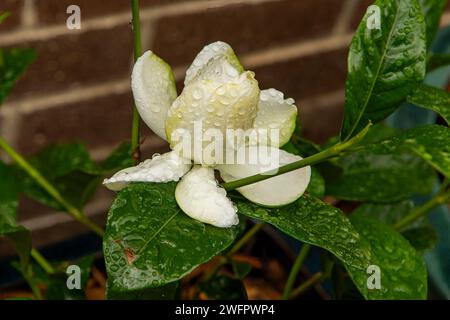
(51, 190)
(295, 270)
(136, 26)
(238, 245)
(306, 285)
(40, 259)
(247, 236)
(322, 156)
(423, 210)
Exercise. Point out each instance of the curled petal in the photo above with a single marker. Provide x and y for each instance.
(200, 197)
(272, 192)
(161, 168)
(208, 53)
(276, 115)
(154, 91)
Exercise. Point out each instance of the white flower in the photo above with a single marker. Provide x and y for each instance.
(220, 96)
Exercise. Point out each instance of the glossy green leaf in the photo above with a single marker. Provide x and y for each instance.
(437, 60)
(432, 11)
(434, 99)
(430, 142)
(166, 292)
(9, 228)
(403, 273)
(420, 234)
(222, 287)
(13, 63)
(150, 242)
(368, 176)
(384, 65)
(312, 221)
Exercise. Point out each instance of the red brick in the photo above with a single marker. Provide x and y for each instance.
(246, 27)
(14, 7)
(319, 122)
(78, 59)
(54, 11)
(97, 122)
(307, 76)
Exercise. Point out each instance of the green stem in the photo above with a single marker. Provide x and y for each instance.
(47, 186)
(423, 210)
(325, 155)
(306, 285)
(40, 259)
(238, 245)
(136, 25)
(247, 236)
(295, 270)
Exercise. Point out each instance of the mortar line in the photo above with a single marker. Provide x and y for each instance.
(343, 21)
(116, 19)
(251, 60)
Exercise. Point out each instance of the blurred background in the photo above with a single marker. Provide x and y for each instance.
(79, 86)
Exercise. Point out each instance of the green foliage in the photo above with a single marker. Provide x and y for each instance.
(312, 221)
(368, 176)
(430, 142)
(150, 242)
(384, 65)
(8, 224)
(72, 171)
(434, 99)
(403, 273)
(420, 234)
(13, 63)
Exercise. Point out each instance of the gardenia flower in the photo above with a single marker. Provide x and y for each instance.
(219, 97)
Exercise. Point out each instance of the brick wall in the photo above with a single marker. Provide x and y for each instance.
(79, 86)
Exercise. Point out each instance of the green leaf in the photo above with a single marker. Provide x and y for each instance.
(368, 176)
(437, 60)
(13, 63)
(150, 242)
(432, 11)
(430, 142)
(69, 168)
(384, 65)
(403, 273)
(432, 98)
(9, 228)
(120, 158)
(166, 292)
(224, 288)
(420, 234)
(312, 221)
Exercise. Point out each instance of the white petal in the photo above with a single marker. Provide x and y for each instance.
(154, 91)
(211, 51)
(200, 197)
(275, 113)
(161, 168)
(273, 192)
